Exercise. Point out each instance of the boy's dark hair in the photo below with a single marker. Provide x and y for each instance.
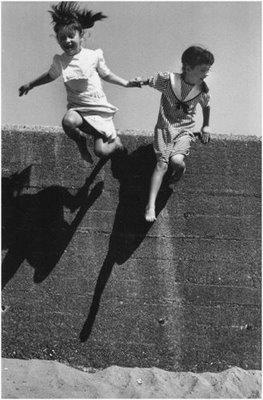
(196, 55)
(68, 14)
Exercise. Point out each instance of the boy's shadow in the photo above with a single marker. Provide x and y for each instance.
(33, 225)
(130, 228)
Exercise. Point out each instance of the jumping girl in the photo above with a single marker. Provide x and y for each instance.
(88, 109)
(174, 128)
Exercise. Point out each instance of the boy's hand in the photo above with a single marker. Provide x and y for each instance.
(205, 134)
(134, 83)
(138, 82)
(24, 89)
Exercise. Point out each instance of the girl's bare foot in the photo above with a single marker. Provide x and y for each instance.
(86, 156)
(150, 214)
(118, 145)
(84, 152)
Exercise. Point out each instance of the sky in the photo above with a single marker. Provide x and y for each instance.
(138, 39)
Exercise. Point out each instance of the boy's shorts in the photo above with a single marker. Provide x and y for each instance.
(165, 149)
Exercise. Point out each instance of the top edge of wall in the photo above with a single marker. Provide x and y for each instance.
(126, 132)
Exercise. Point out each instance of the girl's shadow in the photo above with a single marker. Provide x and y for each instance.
(33, 225)
(130, 228)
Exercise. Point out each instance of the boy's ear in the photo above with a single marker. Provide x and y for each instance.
(82, 38)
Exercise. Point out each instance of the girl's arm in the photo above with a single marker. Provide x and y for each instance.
(117, 80)
(41, 80)
(205, 130)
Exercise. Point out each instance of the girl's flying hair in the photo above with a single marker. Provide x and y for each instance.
(68, 13)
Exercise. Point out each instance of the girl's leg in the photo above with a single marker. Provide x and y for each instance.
(156, 181)
(178, 169)
(104, 148)
(71, 123)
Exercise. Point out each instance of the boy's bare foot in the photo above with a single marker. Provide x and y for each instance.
(150, 214)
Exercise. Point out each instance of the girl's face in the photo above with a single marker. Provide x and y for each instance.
(70, 41)
(196, 74)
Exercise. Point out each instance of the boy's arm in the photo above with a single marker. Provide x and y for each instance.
(159, 81)
(117, 80)
(41, 80)
(205, 130)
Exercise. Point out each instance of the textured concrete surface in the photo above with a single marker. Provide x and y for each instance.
(88, 282)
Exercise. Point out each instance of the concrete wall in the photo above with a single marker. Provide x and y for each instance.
(88, 282)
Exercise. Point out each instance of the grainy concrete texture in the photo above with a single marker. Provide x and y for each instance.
(88, 282)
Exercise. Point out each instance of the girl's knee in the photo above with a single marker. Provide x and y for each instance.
(99, 152)
(71, 120)
(99, 148)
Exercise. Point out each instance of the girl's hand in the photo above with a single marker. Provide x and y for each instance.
(24, 89)
(205, 134)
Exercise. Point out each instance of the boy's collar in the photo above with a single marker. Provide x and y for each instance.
(176, 83)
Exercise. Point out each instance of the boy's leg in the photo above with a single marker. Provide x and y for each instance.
(181, 149)
(71, 124)
(156, 181)
(177, 165)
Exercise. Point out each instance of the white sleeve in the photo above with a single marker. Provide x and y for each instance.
(55, 69)
(102, 68)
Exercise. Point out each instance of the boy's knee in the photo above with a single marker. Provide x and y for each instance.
(162, 166)
(178, 163)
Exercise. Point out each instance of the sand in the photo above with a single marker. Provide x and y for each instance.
(50, 379)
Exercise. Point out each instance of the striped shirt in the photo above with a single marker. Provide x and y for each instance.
(172, 117)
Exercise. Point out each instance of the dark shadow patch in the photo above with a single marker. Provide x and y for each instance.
(130, 228)
(33, 225)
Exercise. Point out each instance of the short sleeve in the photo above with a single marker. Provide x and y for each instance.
(205, 100)
(160, 81)
(55, 69)
(102, 68)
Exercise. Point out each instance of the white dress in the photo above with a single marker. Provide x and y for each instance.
(81, 75)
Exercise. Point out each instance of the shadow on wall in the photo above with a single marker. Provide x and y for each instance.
(34, 228)
(33, 225)
(130, 228)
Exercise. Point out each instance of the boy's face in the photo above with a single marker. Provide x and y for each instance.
(70, 41)
(197, 74)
